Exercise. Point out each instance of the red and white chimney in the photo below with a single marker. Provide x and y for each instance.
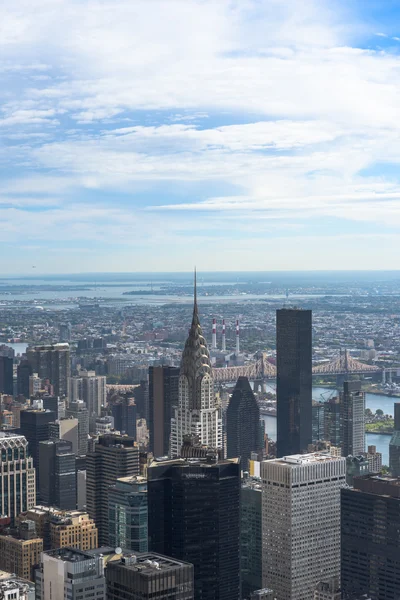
(214, 335)
(223, 336)
(237, 339)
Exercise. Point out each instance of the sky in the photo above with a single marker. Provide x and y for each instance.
(153, 135)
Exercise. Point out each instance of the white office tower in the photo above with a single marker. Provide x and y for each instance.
(17, 476)
(301, 522)
(70, 574)
(198, 412)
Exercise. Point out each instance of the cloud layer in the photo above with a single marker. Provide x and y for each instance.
(153, 134)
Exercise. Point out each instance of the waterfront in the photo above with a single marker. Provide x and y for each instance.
(372, 401)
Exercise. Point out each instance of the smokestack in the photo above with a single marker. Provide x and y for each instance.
(237, 339)
(214, 335)
(223, 336)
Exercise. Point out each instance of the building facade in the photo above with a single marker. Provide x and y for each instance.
(6, 375)
(70, 574)
(370, 515)
(77, 409)
(301, 545)
(74, 529)
(147, 576)
(242, 423)
(90, 388)
(352, 419)
(17, 476)
(35, 427)
(394, 445)
(294, 380)
(197, 412)
(194, 515)
(124, 413)
(19, 556)
(52, 362)
(114, 456)
(163, 396)
(57, 474)
(128, 514)
(251, 536)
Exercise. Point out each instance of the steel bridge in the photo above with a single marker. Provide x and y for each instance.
(262, 369)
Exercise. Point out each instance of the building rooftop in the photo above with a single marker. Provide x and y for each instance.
(306, 459)
(149, 562)
(191, 462)
(381, 485)
(69, 554)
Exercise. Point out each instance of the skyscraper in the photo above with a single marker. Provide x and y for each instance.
(301, 522)
(35, 427)
(128, 514)
(24, 371)
(6, 375)
(332, 420)
(78, 410)
(294, 380)
(65, 429)
(318, 421)
(52, 362)
(370, 515)
(90, 388)
(124, 413)
(17, 476)
(251, 536)
(138, 576)
(394, 446)
(70, 574)
(194, 516)
(352, 419)
(114, 456)
(57, 474)
(197, 413)
(242, 423)
(163, 396)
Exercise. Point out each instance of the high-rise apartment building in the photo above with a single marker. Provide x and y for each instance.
(370, 515)
(194, 515)
(70, 574)
(301, 544)
(77, 409)
(394, 445)
(52, 362)
(243, 423)
(90, 388)
(197, 412)
(294, 380)
(128, 514)
(57, 474)
(318, 421)
(6, 375)
(352, 419)
(114, 456)
(19, 555)
(163, 396)
(74, 529)
(124, 414)
(17, 476)
(144, 575)
(34, 425)
(65, 429)
(250, 536)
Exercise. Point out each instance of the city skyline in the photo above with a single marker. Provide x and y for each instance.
(140, 136)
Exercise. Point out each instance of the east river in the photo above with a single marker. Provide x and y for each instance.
(372, 401)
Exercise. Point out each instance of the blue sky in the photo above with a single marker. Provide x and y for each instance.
(144, 135)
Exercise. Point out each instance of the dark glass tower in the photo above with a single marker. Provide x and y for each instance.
(370, 515)
(34, 425)
(194, 516)
(6, 375)
(394, 446)
(294, 380)
(242, 423)
(24, 371)
(163, 395)
(57, 474)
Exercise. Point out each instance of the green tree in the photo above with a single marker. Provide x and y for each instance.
(379, 412)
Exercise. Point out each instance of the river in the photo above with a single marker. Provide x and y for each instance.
(372, 401)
